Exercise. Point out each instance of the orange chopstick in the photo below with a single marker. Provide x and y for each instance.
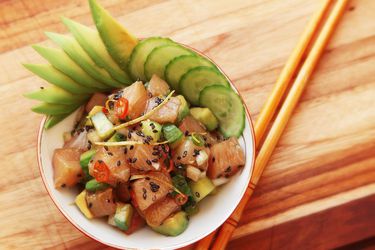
(285, 112)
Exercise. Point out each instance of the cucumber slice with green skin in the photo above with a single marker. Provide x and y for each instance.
(56, 95)
(196, 79)
(171, 133)
(84, 161)
(227, 107)
(54, 109)
(139, 55)
(160, 56)
(61, 61)
(123, 216)
(53, 120)
(57, 78)
(182, 64)
(118, 41)
(91, 42)
(78, 55)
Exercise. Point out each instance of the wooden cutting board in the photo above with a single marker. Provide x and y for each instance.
(318, 191)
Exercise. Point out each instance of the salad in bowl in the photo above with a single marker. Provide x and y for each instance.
(158, 130)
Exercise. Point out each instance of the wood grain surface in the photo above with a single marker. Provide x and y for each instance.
(318, 191)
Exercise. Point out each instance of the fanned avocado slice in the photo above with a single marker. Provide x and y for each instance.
(91, 42)
(61, 61)
(54, 109)
(56, 77)
(56, 95)
(77, 54)
(53, 120)
(118, 41)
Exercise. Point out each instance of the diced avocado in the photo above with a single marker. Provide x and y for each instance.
(174, 225)
(111, 220)
(52, 120)
(118, 41)
(93, 136)
(201, 188)
(103, 126)
(117, 137)
(123, 215)
(171, 133)
(56, 77)
(56, 95)
(94, 110)
(206, 117)
(79, 56)
(183, 110)
(84, 162)
(82, 205)
(61, 61)
(93, 185)
(54, 109)
(151, 128)
(90, 41)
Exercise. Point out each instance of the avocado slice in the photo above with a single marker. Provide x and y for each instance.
(56, 95)
(54, 109)
(53, 120)
(78, 55)
(183, 110)
(61, 61)
(56, 77)
(206, 117)
(118, 41)
(91, 42)
(174, 225)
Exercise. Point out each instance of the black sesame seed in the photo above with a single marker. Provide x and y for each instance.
(184, 154)
(178, 157)
(118, 163)
(147, 178)
(63, 185)
(106, 148)
(155, 148)
(196, 152)
(228, 170)
(41, 87)
(186, 133)
(154, 187)
(197, 194)
(91, 161)
(148, 162)
(89, 146)
(100, 161)
(155, 153)
(129, 135)
(154, 131)
(125, 150)
(131, 147)
(155, 160)
(213, 159)
(90, 204)
(108, 200)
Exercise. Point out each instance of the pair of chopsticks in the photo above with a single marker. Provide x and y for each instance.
(316, 39)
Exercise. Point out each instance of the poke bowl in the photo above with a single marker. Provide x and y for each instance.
(210, 203)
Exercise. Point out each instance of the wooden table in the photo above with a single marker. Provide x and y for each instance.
(318, 191)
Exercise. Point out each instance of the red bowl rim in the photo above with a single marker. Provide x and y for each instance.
(71, 220)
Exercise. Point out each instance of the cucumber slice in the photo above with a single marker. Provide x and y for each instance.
(139, 55)
(227, 107)
(171, 133)
(56, 95)
(54, 109)
(53, 120)
(182, 64)
(84, 161)
(196, 79)
(79, 56)
(103, 126)
(90, 41)
(159, 57)
(61, 61)
(57, 78)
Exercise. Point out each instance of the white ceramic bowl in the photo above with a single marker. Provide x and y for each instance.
(214, 210)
